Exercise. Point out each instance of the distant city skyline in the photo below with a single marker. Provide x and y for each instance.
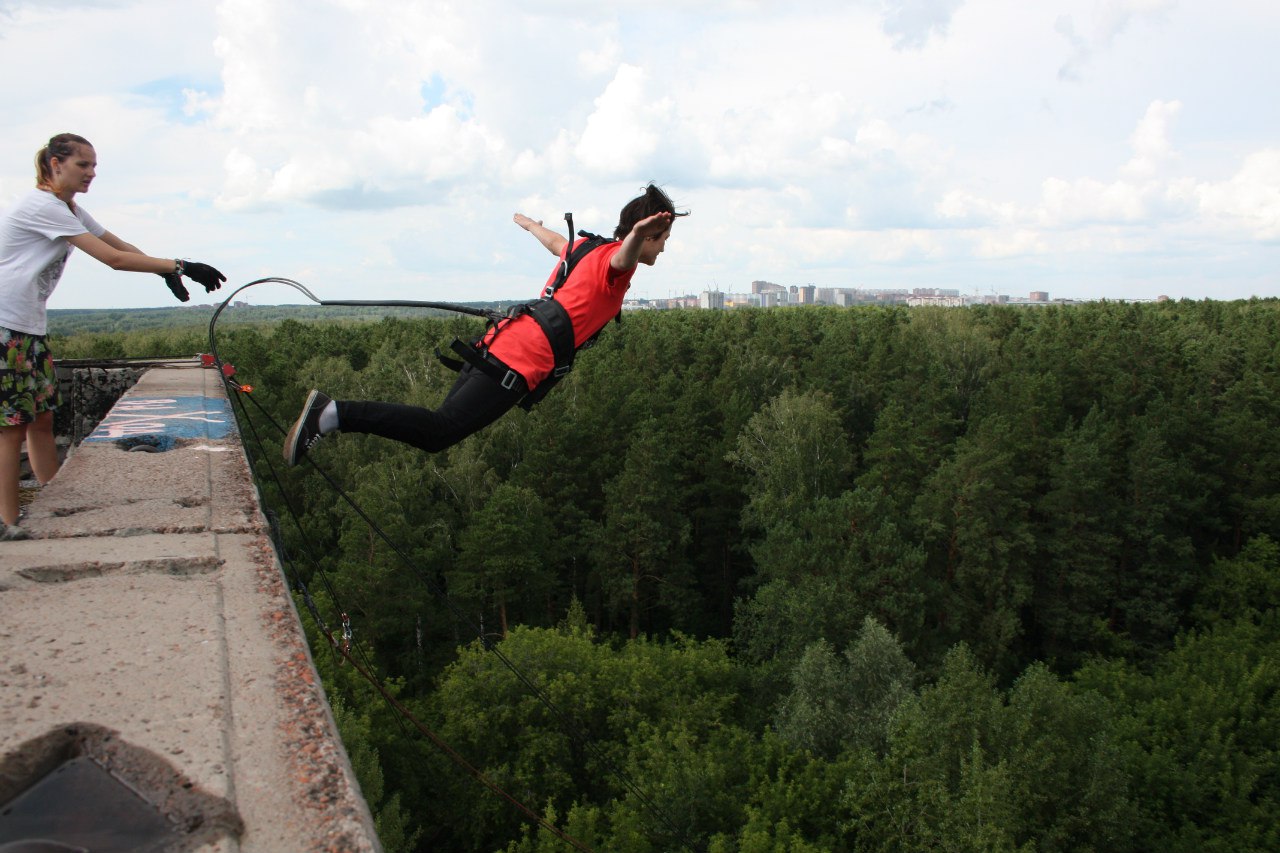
(773, 295)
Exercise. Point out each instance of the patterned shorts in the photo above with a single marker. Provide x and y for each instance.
(28, 382)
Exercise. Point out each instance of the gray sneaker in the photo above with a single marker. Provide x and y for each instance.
(306, 429)
(13, 532)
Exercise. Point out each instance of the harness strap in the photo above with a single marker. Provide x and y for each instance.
(550, 316)
(451, 363)
(558, 328)
(566, 266)
(490, 365)
(573, 255)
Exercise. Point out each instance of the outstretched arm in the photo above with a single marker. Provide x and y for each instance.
(553, 241)
(119, 255)
(628, 256)
(116, 243)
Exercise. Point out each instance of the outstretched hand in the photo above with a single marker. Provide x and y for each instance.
(653, 226)
(550, 240)
(175, 285)
(203, 274)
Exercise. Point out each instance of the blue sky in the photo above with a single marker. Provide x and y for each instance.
(378, 148)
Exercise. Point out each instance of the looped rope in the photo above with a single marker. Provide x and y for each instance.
(488, 314)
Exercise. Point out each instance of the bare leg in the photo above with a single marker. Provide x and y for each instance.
(10, 463)
(42, 449)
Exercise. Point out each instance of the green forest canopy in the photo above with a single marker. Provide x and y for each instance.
(816, 579)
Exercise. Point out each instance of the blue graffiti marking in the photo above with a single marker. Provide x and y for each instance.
(177, 417)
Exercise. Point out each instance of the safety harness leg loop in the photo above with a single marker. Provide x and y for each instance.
(550, 316)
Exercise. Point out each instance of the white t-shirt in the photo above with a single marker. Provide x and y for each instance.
(33, 253)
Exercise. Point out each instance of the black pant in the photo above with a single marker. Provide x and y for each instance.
(475, 401)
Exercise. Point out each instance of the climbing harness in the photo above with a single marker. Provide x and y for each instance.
(550, 316)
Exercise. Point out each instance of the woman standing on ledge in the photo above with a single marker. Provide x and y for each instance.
(36, 237)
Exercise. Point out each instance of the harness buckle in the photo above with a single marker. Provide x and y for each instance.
(562, 370)
(509, 381)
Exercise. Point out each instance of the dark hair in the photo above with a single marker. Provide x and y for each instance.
(63, 146)
(654, 200)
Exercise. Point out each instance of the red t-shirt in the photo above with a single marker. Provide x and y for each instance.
(592, 296)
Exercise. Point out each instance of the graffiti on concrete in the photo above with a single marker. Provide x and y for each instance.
(177, 417)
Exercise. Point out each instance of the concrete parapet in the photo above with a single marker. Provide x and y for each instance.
(89, 390)
(148, 629)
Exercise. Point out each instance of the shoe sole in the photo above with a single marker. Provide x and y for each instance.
(291, 454)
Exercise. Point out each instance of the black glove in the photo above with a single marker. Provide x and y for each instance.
(175, 284)
(203, 274)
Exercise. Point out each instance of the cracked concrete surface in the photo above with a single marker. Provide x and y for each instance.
(149, 613)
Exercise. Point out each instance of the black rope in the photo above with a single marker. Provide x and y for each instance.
(487, 313)
(402, 303)
(568, 724)
(365, 667)
(287, 560)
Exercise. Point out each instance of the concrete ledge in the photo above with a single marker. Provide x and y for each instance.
(150, 614)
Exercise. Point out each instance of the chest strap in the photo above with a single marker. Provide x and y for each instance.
(550, 316)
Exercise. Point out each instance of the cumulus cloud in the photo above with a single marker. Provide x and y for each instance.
(1148, 189)
(351, 131)
(1088, 200)
(1250, 200)
(1145, 192)
(780, 141)
(627, 126)
(1150, 141)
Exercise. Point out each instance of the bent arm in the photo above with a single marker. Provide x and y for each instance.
(119, 255)
(553, 242)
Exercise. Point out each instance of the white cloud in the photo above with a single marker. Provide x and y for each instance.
(1088, 200)
(1250, 200)
(1152, 148)
(627, 126)
(1146, 191)
(818, 140)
